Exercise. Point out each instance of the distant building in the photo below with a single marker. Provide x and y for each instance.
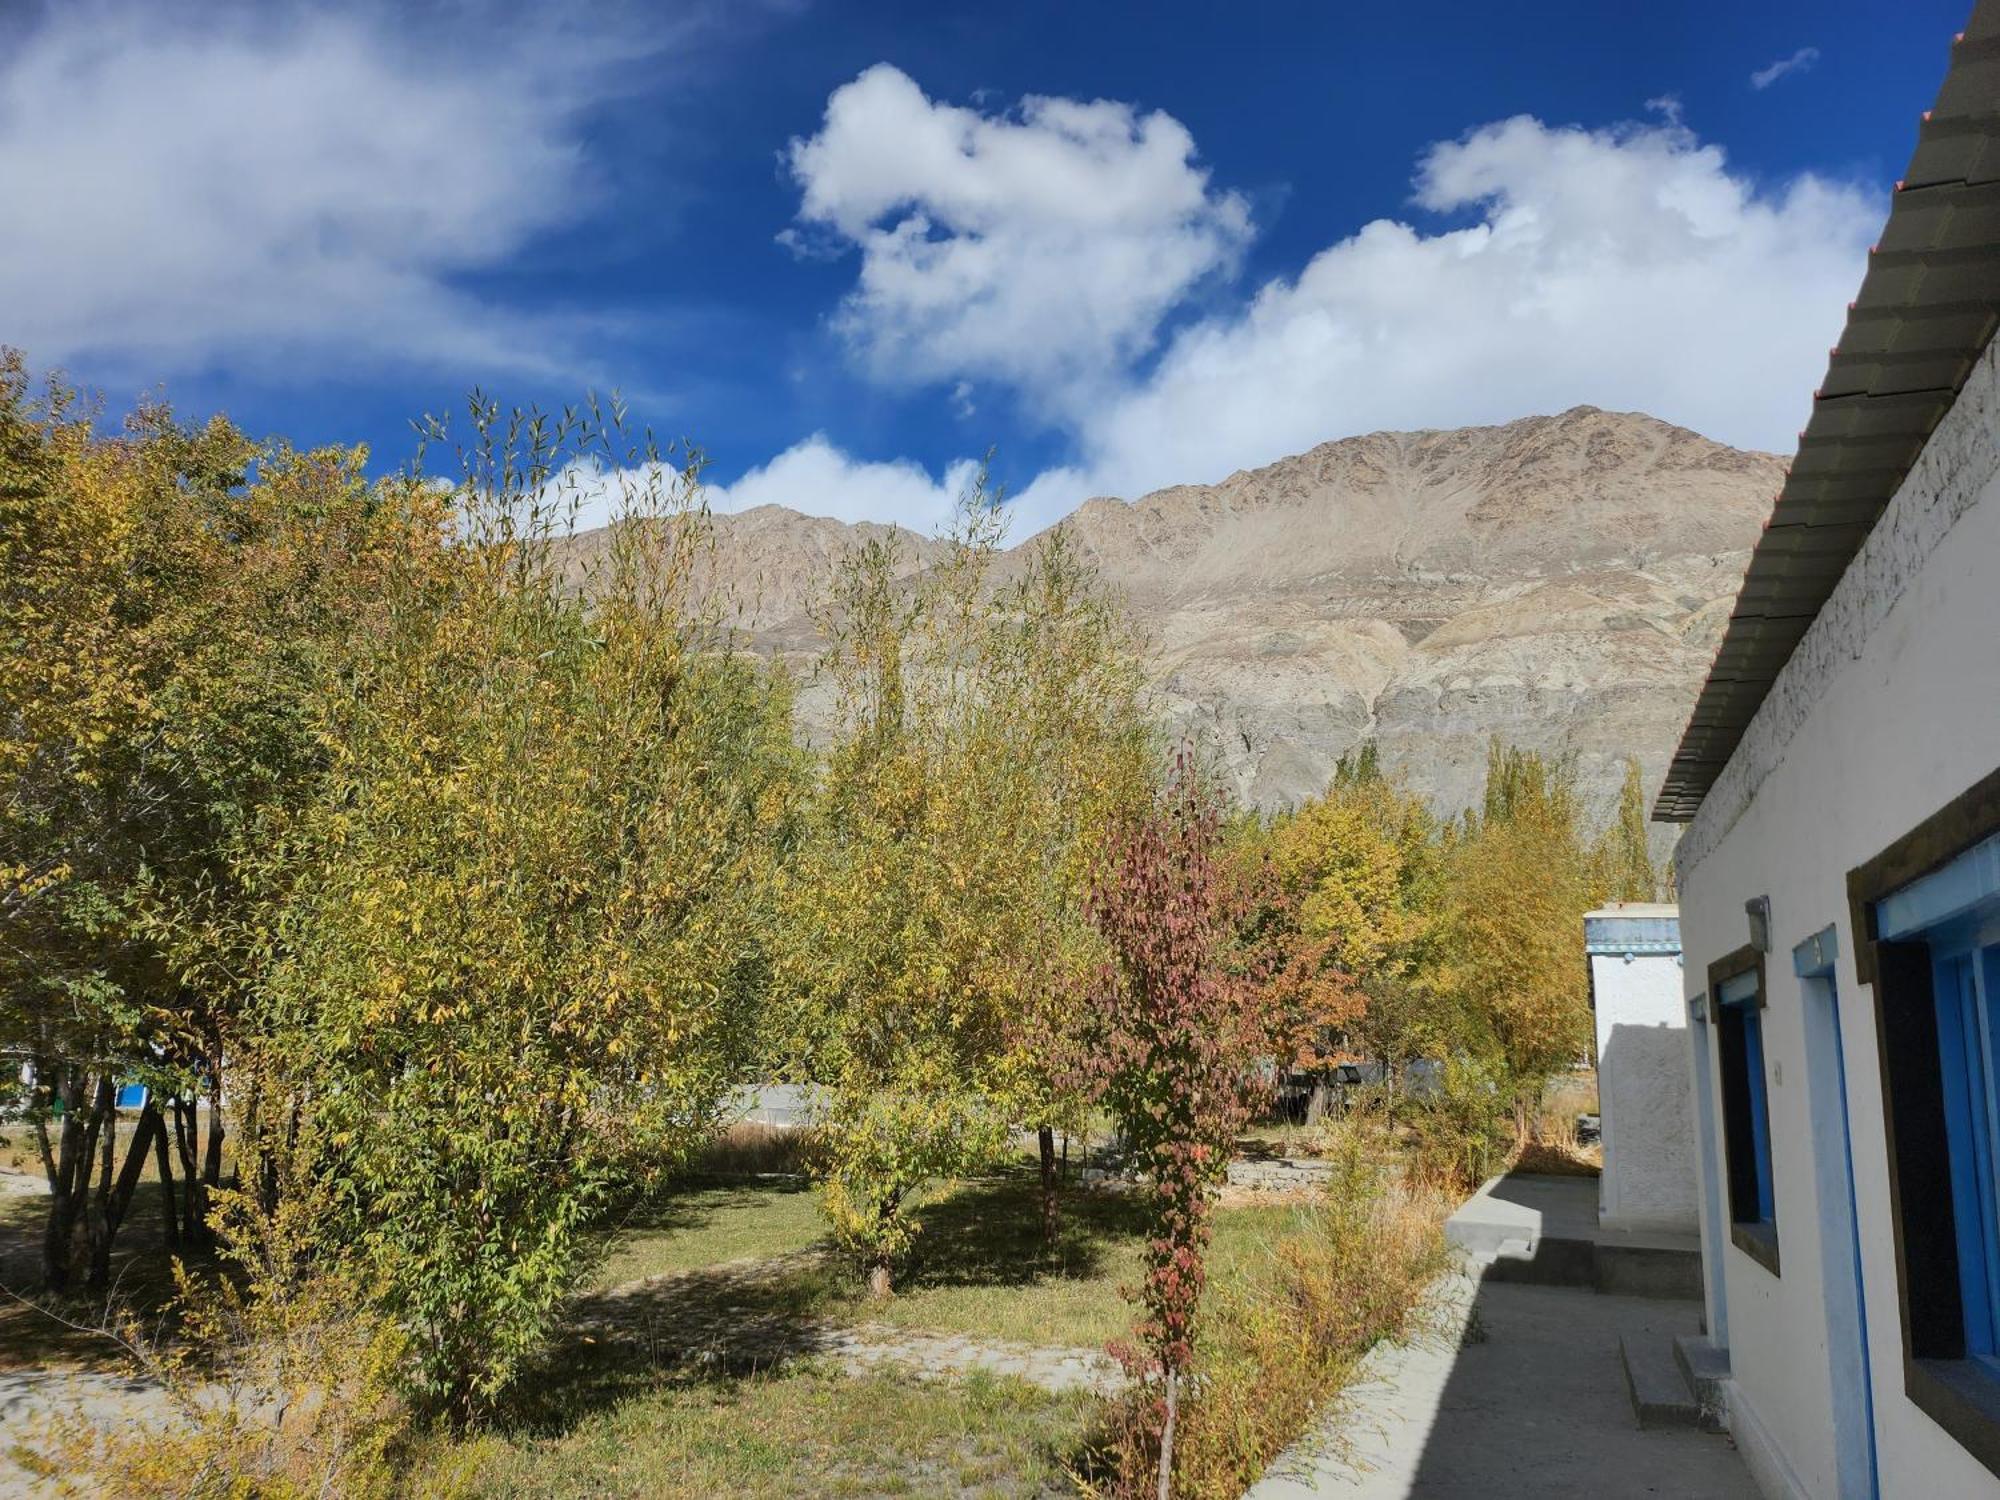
(1840, 878)
(1648, 1182)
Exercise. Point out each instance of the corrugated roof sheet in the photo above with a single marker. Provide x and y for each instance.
(1927, 307)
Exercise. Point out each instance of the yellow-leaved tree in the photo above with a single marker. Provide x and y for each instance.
(170, 601)
(1360, 877)
(987, 731)
(519, 937)
(1521, 879)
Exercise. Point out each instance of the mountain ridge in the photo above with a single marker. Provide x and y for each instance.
(1558, 580)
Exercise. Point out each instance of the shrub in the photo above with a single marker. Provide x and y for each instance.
(280, 1383)
(1463, 1132)
(1286, 1336)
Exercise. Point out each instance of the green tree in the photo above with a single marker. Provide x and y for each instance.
(1521, 880)
(1624, 856)
(517, 936)
(988, 730)
(166, 618)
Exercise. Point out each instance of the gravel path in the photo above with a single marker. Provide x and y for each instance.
(31, 1399)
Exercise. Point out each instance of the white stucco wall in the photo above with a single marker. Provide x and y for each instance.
(1888, 710)
(1648, 1180)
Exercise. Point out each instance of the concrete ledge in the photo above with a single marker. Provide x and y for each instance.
(1705, 1366)
(1660, 1396)
(1543, 1230)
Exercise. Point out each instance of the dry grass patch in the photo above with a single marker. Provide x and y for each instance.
(1285, 1329)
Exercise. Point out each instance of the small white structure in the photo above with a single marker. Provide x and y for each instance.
(1648, 1181)
(1840, 878)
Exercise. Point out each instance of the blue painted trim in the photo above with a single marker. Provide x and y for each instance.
(1822, 944)
(1613, 936)
(1813, 959)
(1970, 1154)
(1943, 894)
(1760, 1112)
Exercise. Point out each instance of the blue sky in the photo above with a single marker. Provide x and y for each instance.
(849, 248)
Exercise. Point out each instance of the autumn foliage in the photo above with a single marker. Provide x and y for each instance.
(1172, 1055)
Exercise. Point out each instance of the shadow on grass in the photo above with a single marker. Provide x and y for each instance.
(37, 1330)
(717, 1326)
(990, 1234)
(695, 1203)
(709, 1328)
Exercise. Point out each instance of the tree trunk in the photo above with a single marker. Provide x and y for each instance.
(170, 1209)
(1046, 1138)
(879, 1280)
(194, 1193)
(70, 1165)
(211, 1171)
(1316, 1101)
(1167, 1434)
(97, 1226)
(116, 1197)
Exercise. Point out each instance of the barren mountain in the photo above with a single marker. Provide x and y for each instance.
(1560, 581)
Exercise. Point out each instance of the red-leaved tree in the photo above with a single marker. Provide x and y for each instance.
(1170, 1059)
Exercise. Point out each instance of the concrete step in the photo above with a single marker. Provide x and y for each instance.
(1550, 1260)
(1661, 1396)
(1648, 1270)
(1704, 1365)
(1484, 1260)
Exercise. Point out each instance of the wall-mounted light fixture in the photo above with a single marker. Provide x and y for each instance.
(1758, 910)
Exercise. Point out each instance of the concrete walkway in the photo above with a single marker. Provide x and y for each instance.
(1516, 1392)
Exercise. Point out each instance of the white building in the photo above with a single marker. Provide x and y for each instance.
(1840, 878)
(1648, 1181)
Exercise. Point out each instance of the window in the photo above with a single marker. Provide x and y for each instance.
(1737, 987)
(1930, 908)
(1965, 981)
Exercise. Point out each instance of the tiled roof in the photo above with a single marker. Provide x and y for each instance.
(1926, 309)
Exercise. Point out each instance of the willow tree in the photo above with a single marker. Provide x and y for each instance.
(985, 730)
(518, 935)
(172, 597)
(1075, 757)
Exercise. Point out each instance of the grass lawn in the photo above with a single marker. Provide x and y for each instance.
(603, 1421)
(803, 1432)
(980, 1266)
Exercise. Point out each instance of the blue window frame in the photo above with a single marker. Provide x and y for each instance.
(1928, 911)
(1955, 914)
(1738, 992)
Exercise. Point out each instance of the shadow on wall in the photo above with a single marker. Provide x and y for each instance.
(1649, 1155)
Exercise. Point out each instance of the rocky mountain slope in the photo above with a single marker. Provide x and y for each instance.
(1560, 581)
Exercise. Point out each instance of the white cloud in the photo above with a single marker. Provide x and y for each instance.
(1799, 62)
(811, 476)
(819, 479)
(273, 185)
(1627, 267)
(1040, 248)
